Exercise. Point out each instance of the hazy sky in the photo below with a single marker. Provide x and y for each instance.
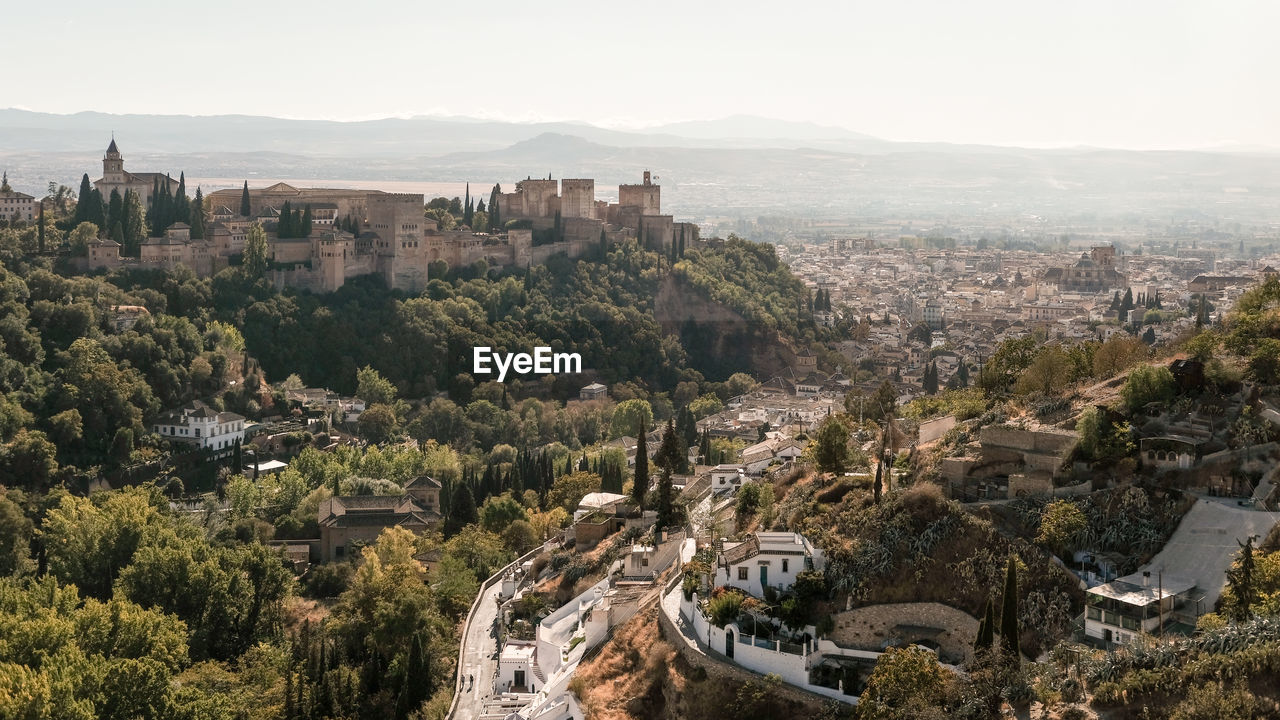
(1128, 73)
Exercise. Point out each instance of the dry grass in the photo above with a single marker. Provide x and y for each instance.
(626, 679)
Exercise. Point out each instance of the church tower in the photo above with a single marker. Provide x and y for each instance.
(113, 165)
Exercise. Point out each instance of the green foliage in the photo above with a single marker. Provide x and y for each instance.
(1060, 525)
(1147, 384)
(725, 607)
(903, 684)
(830, 447)
(255, 252)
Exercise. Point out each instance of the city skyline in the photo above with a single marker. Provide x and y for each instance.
(1144, 75)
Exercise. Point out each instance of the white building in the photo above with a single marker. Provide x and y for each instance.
(766, 559)
(198, 424)
(727, 478)
(1117, 611)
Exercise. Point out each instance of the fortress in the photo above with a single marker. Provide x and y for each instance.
(394, 238)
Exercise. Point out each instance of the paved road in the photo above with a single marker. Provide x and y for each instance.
(479, 645)
(1204, 544)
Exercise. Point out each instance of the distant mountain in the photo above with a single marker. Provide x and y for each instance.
(757, 128)
(737, 166)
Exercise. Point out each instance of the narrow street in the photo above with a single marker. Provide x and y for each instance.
(480, 647)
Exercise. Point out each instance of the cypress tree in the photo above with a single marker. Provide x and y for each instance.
(1240, 580)
(1009, 612)
(495, 222)
(305, 226)
(468, 212)
(117, 233)
(40, 230)
(704, 449)
(82, 200)
(135, 224)
(244, 200)
(115, 208)
(462, 511)
(197, 216)
(181, 203)
(986, 628)
(640, 484)
(97, 210)
(284, 227)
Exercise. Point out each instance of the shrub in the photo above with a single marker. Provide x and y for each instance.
(725, 608)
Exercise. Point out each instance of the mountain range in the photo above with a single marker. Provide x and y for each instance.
(737, 166)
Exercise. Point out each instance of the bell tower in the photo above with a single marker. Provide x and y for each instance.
(113, 165)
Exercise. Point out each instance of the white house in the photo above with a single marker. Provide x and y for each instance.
(200, 425)
(727, 478)
(1117, 611)
(766, 559)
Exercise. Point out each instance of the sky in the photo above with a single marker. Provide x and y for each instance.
(1138, 74)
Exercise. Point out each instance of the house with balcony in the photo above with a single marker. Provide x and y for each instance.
(1118, 611)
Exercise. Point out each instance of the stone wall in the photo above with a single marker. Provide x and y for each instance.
(867, 628)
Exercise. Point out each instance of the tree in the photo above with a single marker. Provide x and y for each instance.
(1009, 612)
(904, 683)
(986, 628)
(499, 511)
(255, 252)
(1240, 580)
(831, 446)
(1148, 384)
(462, 509)
(373, 388)
(245, 206)
(80, 237)
(1049, 373)
(568, 490)
(631, 416)
(930, 382)
(1061, 522)
(378, 423)
(16, 531)
(135, 224)
(640, 483)
(1117, 355)
(197, 216)
(82, 200)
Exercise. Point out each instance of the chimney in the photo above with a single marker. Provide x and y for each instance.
(1146, 578)
(646, 177)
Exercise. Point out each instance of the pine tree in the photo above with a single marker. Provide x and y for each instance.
(640, 484)
(244, 201)
(1009, 612)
